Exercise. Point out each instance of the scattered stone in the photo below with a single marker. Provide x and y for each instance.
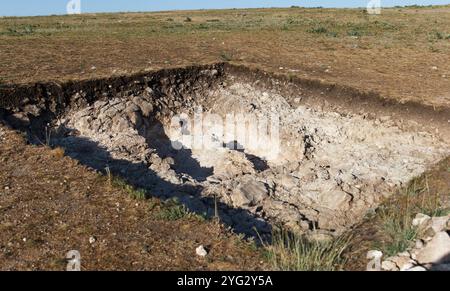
(250, 194)
(92, 240)
(389, 266)
(201, 251)
(420, 220)
(439, 224)
(407, 266)
(419, 244)
(404, 254)
(437, 251)
(374, 254)
(403, 262)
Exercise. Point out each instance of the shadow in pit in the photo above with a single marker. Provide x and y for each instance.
(93, 155)
(259, 164)
(184, 163)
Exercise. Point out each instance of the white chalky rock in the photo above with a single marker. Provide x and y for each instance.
(420, 220)
(439, 223)
(436, 251)
(201, 251)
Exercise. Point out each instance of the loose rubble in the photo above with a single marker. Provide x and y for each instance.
(430, 252)
(331, 168)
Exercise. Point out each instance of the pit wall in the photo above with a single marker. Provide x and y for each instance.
(30, 107)
(54, 98)
(50, 100)
(333, 97)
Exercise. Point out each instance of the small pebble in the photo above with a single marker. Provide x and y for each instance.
(92, 240)
(201, 251)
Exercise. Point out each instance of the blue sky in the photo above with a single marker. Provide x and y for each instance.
(47, 7)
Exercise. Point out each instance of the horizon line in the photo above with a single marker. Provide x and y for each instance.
(215, 9)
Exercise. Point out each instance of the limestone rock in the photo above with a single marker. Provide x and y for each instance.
(436, 251)
(420, 220)
(403, 262)
(334, 200)
(201, 251)
(287, 181)
(389, 266)
(250, 194)
(439, 224)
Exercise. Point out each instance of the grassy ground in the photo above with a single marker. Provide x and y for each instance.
(402, 53)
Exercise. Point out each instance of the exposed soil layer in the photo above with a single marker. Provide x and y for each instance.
(401, 53)
(336, 159)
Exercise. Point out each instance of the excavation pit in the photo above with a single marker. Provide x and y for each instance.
(253, 148)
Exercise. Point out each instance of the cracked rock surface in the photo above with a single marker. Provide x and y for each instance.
(331, 167)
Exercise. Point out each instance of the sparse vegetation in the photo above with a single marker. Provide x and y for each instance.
(20, 30)
(265, 39)
(397, 226)
(290, 252)
(395, 216)
(172, 210)
(58, 153)
(138, 194)
(226, 57)
(318, 30)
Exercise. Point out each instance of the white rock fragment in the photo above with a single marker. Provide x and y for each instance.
(436, 251)
(389, 266)
(92, 240)
(419, 244)
(201, 251)
(438, 224)
(420, 220)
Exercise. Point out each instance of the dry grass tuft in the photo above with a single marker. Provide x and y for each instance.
(291, 252)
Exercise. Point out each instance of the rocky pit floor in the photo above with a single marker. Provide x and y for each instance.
(331, 170)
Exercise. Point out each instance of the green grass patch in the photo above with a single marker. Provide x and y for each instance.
(226, 57)
(138, 194)
(21, 30)
(318, 30)
(396, 225)
(396, 215)
(172, 210)
(291, 252)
